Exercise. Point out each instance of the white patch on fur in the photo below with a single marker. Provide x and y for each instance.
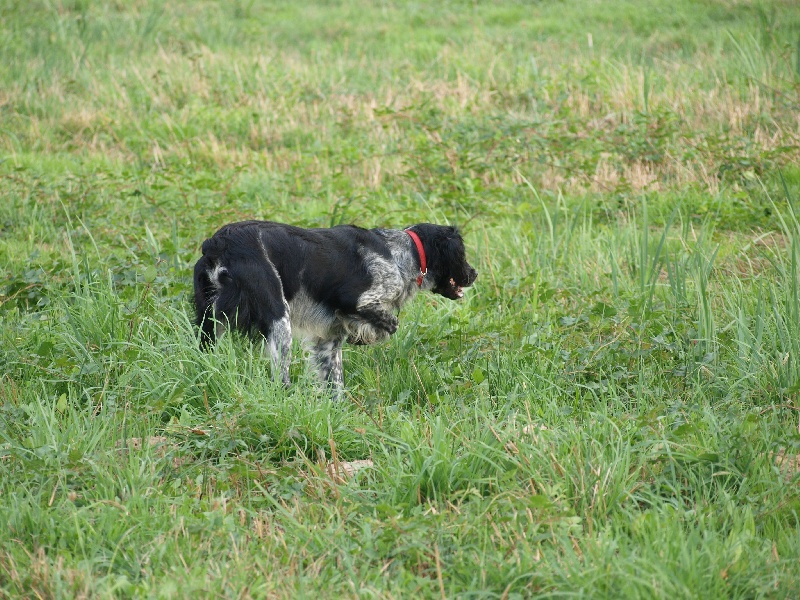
(214, 275)
(280, 345)
(387, 284)
(310, 320)
(280, 338)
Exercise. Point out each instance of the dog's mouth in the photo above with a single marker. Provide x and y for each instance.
(455, 290)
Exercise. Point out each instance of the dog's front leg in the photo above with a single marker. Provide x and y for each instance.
(379, 318)
(327, 357)
(373, 324)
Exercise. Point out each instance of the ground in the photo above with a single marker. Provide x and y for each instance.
(612, 411)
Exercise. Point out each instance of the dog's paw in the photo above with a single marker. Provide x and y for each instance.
(390, 324)
(383, 321)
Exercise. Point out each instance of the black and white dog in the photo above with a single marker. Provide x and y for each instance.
(275, 281)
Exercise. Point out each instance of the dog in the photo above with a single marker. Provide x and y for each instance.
(274, 282)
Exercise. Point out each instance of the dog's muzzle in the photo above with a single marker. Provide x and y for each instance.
(455, 290)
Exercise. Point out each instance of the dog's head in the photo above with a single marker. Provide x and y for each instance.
(448, 268)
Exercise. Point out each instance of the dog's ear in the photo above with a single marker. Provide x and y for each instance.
(452, 244)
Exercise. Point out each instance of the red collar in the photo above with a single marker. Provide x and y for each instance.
(423, 264)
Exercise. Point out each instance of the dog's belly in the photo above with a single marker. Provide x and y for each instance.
(311, 320)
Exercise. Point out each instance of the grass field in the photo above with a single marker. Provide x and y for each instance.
(611, 412)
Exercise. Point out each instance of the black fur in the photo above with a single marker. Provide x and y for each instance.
(273, 281)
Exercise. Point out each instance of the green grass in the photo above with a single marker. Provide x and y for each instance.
(611, 412)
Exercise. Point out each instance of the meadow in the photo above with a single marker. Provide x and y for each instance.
(612, 411)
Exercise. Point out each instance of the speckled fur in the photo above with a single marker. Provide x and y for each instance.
(326, 286)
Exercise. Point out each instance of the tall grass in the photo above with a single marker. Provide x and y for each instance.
(610, 412)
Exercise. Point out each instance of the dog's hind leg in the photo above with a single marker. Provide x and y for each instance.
(326, 356)
(250, 298)
(279, 343)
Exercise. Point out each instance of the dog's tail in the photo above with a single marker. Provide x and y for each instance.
(234, 288)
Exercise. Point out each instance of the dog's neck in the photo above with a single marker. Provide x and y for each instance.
(423, 262)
